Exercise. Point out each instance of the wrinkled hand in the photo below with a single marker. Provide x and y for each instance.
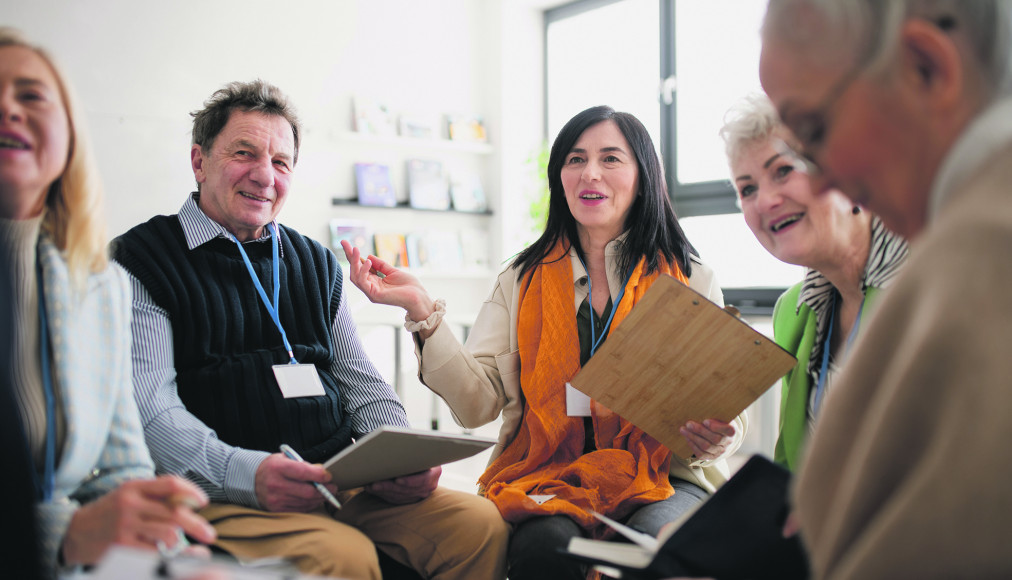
(139, 514)
(407, 489)
(285, 485)
(395, 288)
(709, 439)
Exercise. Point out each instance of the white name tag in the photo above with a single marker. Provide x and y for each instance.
(577, 403)
(298, 380)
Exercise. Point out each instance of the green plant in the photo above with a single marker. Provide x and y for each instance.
(537, 164)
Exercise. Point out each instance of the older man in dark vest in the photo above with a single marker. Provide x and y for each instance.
(224, 298)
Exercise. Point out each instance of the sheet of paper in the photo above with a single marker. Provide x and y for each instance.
(577, 403)
(637, 537)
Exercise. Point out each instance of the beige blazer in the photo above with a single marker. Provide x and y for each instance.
(481, 380)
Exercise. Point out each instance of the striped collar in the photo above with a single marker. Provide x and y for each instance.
(886, 256)
(887, 253)
(200, 229)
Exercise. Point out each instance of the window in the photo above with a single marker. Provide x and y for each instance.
(598, 54)
(618, 52)
(715, 50)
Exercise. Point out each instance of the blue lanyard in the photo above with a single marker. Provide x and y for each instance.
(596, 341)
(45, 487)
(272, 309)
(825, 348)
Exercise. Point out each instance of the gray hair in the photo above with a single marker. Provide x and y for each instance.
(256, 96)
(750, 120)
(868, 30)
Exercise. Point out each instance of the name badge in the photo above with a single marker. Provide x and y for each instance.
(577, 402)
(298, 380)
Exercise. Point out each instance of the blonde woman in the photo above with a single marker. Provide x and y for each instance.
(70, 362)
(848, 255)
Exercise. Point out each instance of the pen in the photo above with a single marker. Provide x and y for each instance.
(374, 270)
(181, 542)
(291, 454)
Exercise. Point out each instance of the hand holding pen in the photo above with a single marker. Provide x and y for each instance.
(281, 483)
(319, 485)
(139, 513)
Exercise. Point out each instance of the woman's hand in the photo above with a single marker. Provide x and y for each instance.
(139, 513)
(394, 288)
(709, 439)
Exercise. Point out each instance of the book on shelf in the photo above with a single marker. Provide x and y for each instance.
(466, 128)
(374, 184)
(356, 232)
(735, 534)
(418, 126)
(373, 117)
(679, 357)
(427, 184)
(435, 250)
(392, 249)
(414, 244)
(466, 191)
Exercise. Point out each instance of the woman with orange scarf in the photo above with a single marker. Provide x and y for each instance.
(610, 233)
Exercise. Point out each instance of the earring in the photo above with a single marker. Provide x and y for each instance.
(856, 210)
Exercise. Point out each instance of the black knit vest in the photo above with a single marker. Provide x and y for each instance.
(224, 340)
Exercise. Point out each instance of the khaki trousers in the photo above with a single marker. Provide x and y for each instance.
(449, 535)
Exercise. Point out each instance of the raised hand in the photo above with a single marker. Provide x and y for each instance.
(385, 284)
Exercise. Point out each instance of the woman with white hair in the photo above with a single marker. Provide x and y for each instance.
(848, 255)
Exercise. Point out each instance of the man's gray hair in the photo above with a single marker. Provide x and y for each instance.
(255, 96)
(869, 30)
(751, 120)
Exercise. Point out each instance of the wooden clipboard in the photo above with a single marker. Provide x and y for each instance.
(678, 357)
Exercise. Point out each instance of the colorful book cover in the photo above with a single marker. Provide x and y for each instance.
(374, 185)
(356, 232)
(391, 248)
(466, 128)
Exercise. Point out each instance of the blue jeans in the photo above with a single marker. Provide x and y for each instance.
(535, 544)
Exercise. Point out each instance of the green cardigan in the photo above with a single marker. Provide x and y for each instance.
(794, 330)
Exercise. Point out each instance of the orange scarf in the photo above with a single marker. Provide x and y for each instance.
(629, 467)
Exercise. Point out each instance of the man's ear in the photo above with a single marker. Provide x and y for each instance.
(932, 63)
(197, 163)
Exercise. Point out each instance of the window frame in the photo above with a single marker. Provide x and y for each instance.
(688, 199)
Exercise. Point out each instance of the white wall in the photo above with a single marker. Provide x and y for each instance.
(140, 67)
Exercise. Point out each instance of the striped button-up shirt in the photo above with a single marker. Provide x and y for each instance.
(180, 443)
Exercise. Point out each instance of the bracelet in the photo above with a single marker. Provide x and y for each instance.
(431, 322)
